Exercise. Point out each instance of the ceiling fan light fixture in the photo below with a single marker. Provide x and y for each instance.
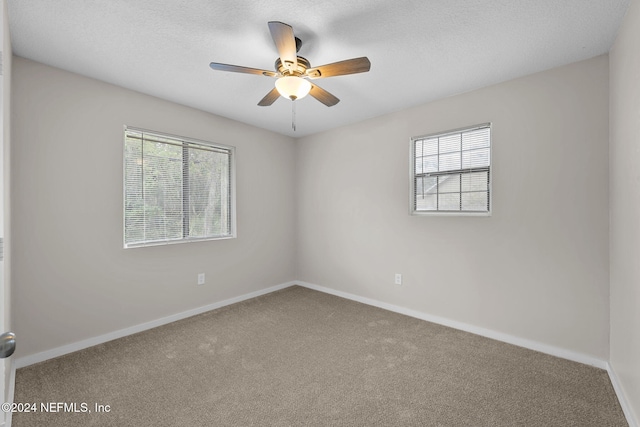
(293, 87)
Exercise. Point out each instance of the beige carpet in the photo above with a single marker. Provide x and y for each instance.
(303, 358)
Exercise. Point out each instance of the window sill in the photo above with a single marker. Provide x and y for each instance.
(177, 241)
(449, 213)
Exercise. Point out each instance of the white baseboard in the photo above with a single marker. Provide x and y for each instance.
(622, 398)
(31, 359)
(521, 342)
(510, 339)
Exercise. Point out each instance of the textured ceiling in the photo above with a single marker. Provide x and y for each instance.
(420, 50)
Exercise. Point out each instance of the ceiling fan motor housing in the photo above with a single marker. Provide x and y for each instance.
(299, 70)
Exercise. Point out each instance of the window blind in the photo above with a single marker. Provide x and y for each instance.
(175, 189)
(452, 171)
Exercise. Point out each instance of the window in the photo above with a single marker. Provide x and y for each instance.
(176, 189)
(452, 171)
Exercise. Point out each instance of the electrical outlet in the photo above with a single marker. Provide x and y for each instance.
(398, 279)
(201, 279)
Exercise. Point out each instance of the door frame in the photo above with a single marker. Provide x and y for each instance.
(7, 370)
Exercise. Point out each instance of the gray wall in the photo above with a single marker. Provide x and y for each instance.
(72, 280)
(625, 207)
(536, 269)
(330, 209)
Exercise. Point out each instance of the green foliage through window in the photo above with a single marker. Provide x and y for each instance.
(175, 189)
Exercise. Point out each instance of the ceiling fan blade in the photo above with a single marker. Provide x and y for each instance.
(349, 66)
(238, 69)
(323, 96)
(269, 98)
(285, 41)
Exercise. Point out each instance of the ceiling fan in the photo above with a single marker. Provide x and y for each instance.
(293, 72)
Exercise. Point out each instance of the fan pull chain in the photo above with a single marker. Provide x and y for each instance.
(293, 115)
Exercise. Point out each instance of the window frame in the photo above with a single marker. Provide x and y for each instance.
(412, 173)
(232, 189)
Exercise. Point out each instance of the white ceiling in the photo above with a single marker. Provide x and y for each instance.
(420, 50)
